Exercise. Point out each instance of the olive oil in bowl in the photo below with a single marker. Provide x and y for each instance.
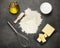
(14, 8)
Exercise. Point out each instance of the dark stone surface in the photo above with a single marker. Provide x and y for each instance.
(8, 38)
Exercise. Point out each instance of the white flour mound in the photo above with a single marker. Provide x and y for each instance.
(31, 21)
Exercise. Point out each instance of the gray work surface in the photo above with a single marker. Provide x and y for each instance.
(8, 39)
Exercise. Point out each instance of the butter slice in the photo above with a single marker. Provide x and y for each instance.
(38, 39)
(41, 38)
(48, 30)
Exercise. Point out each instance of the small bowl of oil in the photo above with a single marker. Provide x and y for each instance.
(14, 8)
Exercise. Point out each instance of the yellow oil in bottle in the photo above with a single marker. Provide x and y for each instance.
(14, 8)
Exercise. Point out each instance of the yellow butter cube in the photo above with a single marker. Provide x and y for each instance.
(48, 30)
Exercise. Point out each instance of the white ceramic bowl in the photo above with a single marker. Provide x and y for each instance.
(46, 8)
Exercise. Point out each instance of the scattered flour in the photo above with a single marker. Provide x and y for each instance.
(31, 21)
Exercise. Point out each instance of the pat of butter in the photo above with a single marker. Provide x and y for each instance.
(48, 30)
(38, 39)
(41, 38)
